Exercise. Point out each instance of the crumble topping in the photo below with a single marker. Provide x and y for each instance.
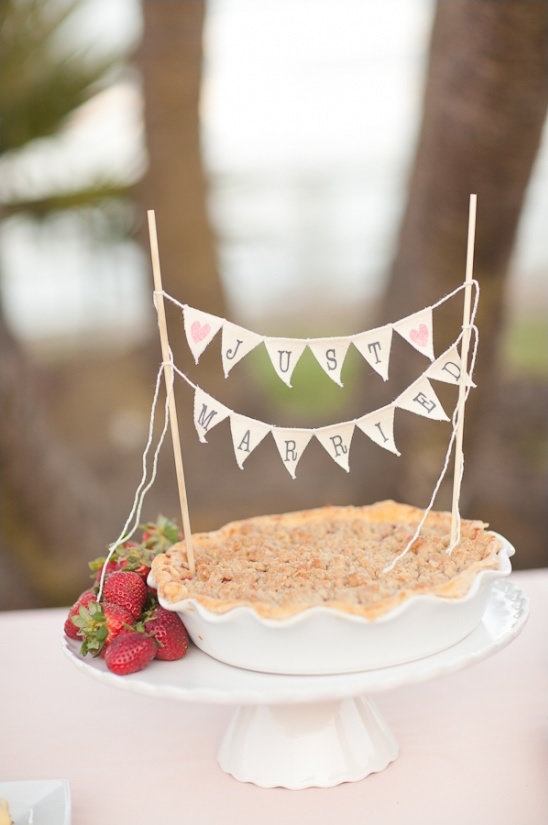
(331, 556)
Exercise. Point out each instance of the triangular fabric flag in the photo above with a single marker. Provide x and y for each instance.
(330, 354)
(417, 329)
(284, 354)
(207, 413)
(236, 343)
(200, 329)
(291, 445)
(247, 433)
(421, 399)
(375, 345)
(379, 427)
(336, 440)
(448, 368)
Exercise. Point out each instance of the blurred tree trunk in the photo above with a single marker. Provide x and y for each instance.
(484, 110)
(58, 479)
(51, 508)
(170, 61)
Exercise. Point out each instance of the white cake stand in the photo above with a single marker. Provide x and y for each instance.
(310, 731)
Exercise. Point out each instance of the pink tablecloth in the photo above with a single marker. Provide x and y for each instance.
(473, 745)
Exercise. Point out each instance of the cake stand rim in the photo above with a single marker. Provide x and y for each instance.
(167, 679)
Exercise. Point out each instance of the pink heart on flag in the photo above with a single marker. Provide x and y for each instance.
(199, 331)
(419, 336)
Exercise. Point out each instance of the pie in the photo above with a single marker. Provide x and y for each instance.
(337, 557)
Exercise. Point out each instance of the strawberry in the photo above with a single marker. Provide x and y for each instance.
(130, 652)
(169, 632)
(99, 623)
(160, 535)
(82, 601)
(133, 564)
(157, 537)
(127, 589)
(97, 567)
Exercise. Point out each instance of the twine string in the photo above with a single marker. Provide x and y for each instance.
(474, 330)
(143, 487)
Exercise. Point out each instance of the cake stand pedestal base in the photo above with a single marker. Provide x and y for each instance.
(309, 731)
(307, 745)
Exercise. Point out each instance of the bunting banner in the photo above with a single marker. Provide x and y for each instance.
(454, 366)
(247, 433)
(373, 345)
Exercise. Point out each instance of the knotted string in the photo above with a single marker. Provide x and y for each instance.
(144, 487)
(475, 332)
(437, 304)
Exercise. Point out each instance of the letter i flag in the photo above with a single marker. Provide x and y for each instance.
(379, 427)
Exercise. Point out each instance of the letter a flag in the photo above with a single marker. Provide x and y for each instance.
(291, 445)
(207, 413)
(417, 329)
(200, 329)
(237, 342)
(284, 354)
(336, 440)
(247, 433)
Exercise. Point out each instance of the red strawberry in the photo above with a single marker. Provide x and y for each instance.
(160, 535)
(99, 624)
(82, 601)
(130, 652)
(126, 588)
(131, 564)
(156, 538)
(98, 564)
(170, 634)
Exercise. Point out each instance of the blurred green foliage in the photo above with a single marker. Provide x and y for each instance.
(44, 79)
(525, 347)
(313, 393)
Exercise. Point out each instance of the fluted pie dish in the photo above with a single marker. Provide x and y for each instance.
(313, 592)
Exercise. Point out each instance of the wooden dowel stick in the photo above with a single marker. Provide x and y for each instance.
(459, 458)
(168, 374)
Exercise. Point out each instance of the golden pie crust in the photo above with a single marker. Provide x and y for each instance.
(335, 557)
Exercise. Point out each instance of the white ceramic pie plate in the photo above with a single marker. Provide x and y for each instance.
(323, 640)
